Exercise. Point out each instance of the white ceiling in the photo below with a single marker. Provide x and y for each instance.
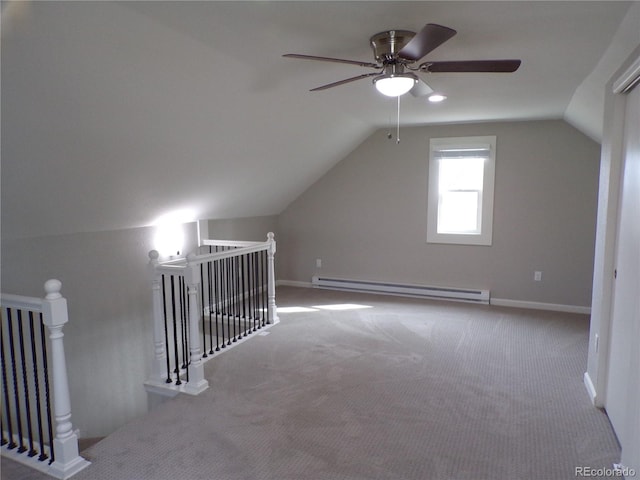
(114, 114)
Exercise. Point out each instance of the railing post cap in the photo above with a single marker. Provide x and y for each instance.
(191, 257)
(154, 255)
(270, 235)
(52, 288)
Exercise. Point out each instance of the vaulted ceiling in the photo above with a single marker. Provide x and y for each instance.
(114, 114)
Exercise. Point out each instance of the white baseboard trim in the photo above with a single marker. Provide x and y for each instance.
(293, 283)
(591, 390)
(500, 302)
(554, 307)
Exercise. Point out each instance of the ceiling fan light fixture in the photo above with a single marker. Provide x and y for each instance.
(395, 85)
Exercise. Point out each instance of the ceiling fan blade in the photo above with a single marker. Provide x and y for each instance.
(490, 66)
(429, 38)
(342, 82)
(329, 59)
(421, 89)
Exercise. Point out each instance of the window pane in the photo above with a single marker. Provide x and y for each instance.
(461, 174)
(458, 212)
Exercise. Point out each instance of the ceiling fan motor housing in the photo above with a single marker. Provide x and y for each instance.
(387, 44)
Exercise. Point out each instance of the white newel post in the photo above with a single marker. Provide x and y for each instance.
(273, 309)
(197, 382)
(67, 459)
(158, 367)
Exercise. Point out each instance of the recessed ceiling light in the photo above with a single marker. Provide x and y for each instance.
(436, 97)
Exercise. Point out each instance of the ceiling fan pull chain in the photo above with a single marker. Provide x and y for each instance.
(398, 123)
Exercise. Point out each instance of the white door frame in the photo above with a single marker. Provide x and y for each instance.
(612, 158)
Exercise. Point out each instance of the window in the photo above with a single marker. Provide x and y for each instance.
(460, 197)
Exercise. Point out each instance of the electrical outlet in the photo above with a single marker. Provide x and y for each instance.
(318, 263)
(537, 276)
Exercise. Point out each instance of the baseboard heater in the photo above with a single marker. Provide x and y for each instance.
(401, 289)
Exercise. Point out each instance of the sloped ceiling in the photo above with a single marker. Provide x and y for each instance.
(586, 109)
(114, 114)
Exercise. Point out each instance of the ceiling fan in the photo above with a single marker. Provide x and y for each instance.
(396, 53)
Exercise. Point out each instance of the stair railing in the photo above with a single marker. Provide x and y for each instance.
(33, 363)
(204, 304)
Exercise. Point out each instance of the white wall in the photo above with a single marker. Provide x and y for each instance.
(108, 340)
(250, 228)
(366, 218)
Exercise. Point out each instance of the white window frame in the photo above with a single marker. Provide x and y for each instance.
(485, 236)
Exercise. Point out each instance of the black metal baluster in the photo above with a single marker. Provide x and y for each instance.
(256, 302)
(236, 309)
(256, 291)
(241, 309)
(263, 256)
(43, 456)
(187, 331)
(175, 331)
(36, 382)
(181, 310)
(25, 387)
(209, 298)
(239, 296)
(185, 323)
(184, 304)
(249, 295)
(204, 331)
(5, 389)
(223, 298)
(228, 291)
(244, 295)
(232, 298)
(236, 271)
(214, 302)
(15, 383)
(259, 291)
(47, 395)
(261, 280)
(216, 299)
(212, 296)
(265, 272)
(166, 330)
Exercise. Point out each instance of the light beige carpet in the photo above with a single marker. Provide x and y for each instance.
(404, 389)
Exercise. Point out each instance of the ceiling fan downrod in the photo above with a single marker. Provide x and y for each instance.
(387, 44)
